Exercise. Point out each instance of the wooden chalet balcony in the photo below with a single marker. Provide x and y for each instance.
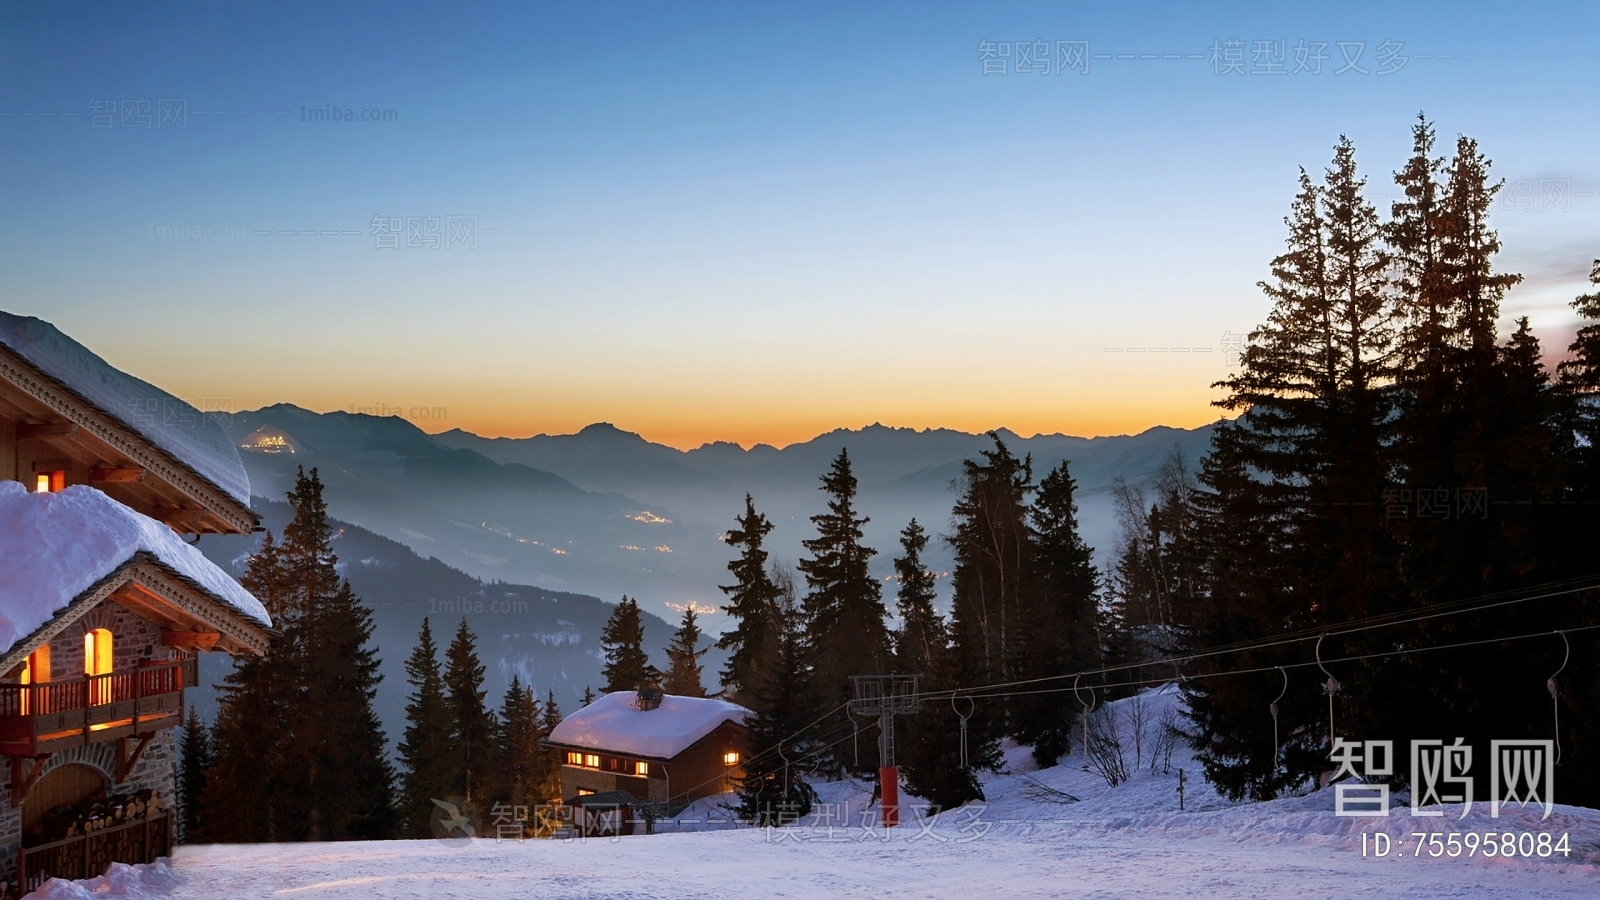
(37, 719)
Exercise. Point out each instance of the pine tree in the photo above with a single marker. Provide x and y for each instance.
(1061, 608)
(780, 736)
(683, 678)
(242, 801)
(994, 569)
(588, 695)
(929, 745)
(922, 631)
(846, 632)
(750, 601)
(427, 748)
(1305, 462)
(472, 725)
(520, 763)
(548, 788)
(627, 665)
(196, 754)
(1568, 537)
(300, 751)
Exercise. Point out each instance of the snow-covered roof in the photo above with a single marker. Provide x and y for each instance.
(613, 723)
(183, 432)
(53, 547)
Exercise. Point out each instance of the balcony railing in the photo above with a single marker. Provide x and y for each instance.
(55, 715)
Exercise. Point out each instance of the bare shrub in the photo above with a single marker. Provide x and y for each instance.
(1136, 713)
(1104, 745)
(1166, 740)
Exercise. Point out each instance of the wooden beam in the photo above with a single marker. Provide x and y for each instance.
(183, 520)
(193, 640)
(33, 431)
(126, 761)
(22, 783)
(116, 476)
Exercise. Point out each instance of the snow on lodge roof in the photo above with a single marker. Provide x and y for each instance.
(174, 426)
(615, 724)
(54, 547)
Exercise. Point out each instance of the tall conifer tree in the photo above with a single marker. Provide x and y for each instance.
(627, 665)
(684, 675)
(922, 631)
(750, 603)
(520, 763)
(196, 754)
(296, 732)
(844, 611)
(1061, 608)
(472, 724)
(772, 791)
(427, 749)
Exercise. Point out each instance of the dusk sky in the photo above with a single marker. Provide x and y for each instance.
(738, 222)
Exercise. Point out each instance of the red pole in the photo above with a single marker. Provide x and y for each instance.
(889, 796)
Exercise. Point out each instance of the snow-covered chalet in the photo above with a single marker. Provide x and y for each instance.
(657, 747)
(104, 605)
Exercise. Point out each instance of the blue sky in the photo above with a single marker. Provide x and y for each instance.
(733, 220)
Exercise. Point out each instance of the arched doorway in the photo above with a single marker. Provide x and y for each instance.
(66, 785)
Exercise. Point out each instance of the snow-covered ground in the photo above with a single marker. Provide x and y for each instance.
(1130, 841)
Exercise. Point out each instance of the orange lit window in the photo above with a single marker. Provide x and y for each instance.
(97, 661)
(35, 671)
(731, 758)
(574, 758)
(641, 768)
(591, 760)
(49, 482)
(584, 792)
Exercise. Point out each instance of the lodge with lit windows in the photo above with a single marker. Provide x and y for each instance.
(659, 748)
(104, 605)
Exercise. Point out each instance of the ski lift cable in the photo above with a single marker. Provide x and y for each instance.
(1357, 625)
(969, 692)
(1146, 682)
(1555, 696)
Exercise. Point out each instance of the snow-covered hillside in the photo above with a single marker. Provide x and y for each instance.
(1028, 840)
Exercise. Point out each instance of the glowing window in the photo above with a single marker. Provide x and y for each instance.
(97, 661)
(731, 758)
(584, 792)
(49, 482)
(591, 760)
(641, 768)
(574, 759)
(35, 671)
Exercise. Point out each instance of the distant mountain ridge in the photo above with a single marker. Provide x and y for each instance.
(606, 512)
(550, 639)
